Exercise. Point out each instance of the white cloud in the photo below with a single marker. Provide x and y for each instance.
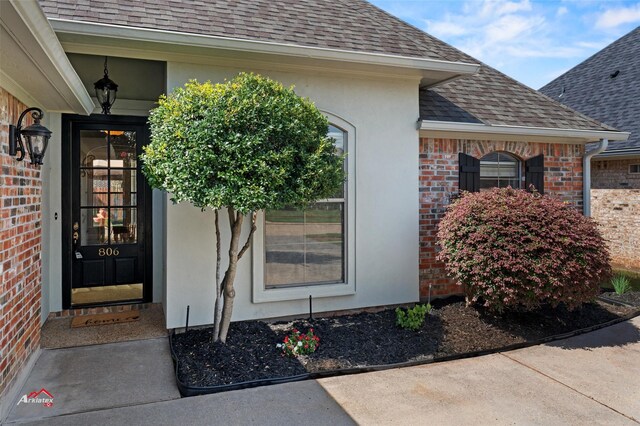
(496, 8)
(615, 17)
(594, 45)
(511, 27)
(446, 28)
(496, 30)
(534, 41)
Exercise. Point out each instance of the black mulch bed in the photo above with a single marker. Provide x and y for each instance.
(631, 297)
(369, 339)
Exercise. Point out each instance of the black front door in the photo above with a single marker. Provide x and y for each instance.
(107, 216)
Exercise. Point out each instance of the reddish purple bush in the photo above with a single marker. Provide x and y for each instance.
(512, 248)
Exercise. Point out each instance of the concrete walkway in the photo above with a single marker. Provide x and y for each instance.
(590, 379)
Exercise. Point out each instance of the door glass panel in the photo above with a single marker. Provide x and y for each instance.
(108, 263)
(94, 226)
(94, 184)
(93, 148)
(123, 187)
(124, 225)
(123, 149)
(110, 293)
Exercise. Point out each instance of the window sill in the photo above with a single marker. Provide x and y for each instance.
(261, 295)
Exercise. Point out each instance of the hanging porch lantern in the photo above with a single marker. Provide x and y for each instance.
(106, 91)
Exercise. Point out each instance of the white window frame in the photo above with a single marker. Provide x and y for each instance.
(260, 294)
(632, 172)
(519, 163)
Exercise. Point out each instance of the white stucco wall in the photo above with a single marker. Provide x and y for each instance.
(51, 219)
(385, 151)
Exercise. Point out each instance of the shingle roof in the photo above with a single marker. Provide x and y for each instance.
(338, 24)
(606, 87)
(491, 97)
(488, 97)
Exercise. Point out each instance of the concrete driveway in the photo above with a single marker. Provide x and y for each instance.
(590, 379)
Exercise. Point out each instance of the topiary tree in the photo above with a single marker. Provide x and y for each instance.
(246, 145)
(512, 248)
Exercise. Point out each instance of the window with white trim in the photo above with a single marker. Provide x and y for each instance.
(308, 247)
(634, 169)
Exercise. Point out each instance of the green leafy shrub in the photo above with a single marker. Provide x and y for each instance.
(512, 248)
(621, 284)
(297, 343)
(412, 318)
(245, 145)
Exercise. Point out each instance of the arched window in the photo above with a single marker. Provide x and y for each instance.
(499, 170)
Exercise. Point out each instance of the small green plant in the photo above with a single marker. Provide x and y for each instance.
(412, 318)
(298, 343)
(621, 284)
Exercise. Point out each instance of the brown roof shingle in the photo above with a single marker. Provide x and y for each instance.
(489, 97)
(337, 24)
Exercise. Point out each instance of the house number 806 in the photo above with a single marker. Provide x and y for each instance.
(108, 252)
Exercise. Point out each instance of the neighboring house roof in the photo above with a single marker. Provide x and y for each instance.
(488, 97)
(606, 87)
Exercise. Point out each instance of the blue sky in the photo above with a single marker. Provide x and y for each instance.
(533, 41)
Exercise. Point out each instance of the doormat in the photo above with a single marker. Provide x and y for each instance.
(105, 319)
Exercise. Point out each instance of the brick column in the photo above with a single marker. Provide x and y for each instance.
(20, 251)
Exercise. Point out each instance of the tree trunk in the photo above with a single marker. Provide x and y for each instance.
(230, 274)
(218, 305)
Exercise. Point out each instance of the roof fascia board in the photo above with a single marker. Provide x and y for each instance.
(256, 46)
(50, 57)
(621, 154)
(480, 130)
(256, 62)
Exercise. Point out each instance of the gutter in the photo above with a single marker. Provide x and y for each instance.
(617, 153)
(503, 129)
(586, 175)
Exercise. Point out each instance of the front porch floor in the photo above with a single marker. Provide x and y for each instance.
(57, 332)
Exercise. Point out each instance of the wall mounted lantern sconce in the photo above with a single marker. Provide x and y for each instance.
(106, 91)
(35, 137)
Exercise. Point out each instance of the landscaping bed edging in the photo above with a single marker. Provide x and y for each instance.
(188, 390)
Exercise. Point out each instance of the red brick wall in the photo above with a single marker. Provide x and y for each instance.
(20, 247)
(439, 182)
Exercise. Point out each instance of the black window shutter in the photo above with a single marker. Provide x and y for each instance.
(534, 173)
(469, 173)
